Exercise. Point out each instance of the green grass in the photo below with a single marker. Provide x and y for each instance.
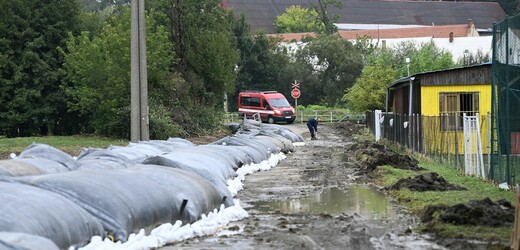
(477, 189)
(69, 144)
(468, 232)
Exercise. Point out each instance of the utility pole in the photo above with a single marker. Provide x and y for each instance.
(139, 122)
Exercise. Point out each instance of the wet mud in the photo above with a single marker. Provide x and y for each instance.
(314, 199)
(425, 182)
(322, 197)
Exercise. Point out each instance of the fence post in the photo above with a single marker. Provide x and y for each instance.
(377, 124)
(515, 239)
(489, 131)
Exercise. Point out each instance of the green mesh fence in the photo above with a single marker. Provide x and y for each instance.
(505, 158)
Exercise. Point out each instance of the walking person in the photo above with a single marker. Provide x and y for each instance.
(312, 124)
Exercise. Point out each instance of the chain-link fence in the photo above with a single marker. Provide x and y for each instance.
(505, 146)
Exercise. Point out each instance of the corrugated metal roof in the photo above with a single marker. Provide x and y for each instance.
(418, 75)
(261, 14)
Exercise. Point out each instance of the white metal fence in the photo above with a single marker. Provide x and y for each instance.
(473, 161)
(304, 115)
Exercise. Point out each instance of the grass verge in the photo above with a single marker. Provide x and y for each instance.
(69, 144)
(415, 202)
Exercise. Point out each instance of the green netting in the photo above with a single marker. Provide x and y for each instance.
(505, 159)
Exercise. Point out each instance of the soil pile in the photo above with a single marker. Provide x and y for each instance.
(425, 182)
(369, 155)
(477, 212)
(348, 129)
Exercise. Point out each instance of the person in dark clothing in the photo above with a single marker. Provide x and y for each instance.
(312, 124)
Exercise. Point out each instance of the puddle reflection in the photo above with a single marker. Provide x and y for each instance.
(362, 200)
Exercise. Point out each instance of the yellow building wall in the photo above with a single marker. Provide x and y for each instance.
(438, 140)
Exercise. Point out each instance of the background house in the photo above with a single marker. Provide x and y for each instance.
(460, 40)
(261, 15)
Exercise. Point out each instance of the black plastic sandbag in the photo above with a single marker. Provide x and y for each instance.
(94, 158)
(180, 142)
(232, 153)
(43, 151)
(260, 148)
(134, 154)
(205, 169)
(252, 155)
(30, 166)
(275, 128)
(126, 200)
(287, 145)
(168, 146)
(23, 241)
(199, 195)
(17, 168)
(33, 210)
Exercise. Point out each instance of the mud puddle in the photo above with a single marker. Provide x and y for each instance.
(357, 199)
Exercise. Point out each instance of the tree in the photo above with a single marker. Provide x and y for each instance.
(328, 22)
(336, 62)
(203, 42)
(99, 5)
(369, 90)
(298, 19)
(31, 101)
(386, 65)
(260, 60)
(474, 58)
(97, 69)
(423, 57)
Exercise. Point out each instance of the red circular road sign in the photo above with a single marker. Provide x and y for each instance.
(295, 93)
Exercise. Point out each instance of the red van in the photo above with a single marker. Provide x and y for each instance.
(271, 105)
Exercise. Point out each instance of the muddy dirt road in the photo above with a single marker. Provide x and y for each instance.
(313, 200)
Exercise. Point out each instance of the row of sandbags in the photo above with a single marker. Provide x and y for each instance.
(71, 207)
(40, 159)
(120, 190)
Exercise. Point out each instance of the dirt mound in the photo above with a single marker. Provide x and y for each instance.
(477, 213)
(370, 155)
(425, 182)
(349, 128)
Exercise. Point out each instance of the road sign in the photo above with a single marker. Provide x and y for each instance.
(295, 85)
(295, 93)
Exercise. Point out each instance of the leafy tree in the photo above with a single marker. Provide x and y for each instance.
(369, 90)
(31, 101)
(364, 45)
(328, 22)
(430, 58)
(203, 42)
(423, 57)
(98, 77)
(386, 65)
(260, 64)
(336, 62)
(474, 58)
(298, 19)
(99, 5)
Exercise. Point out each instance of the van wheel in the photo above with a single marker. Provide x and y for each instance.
(270, 120)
